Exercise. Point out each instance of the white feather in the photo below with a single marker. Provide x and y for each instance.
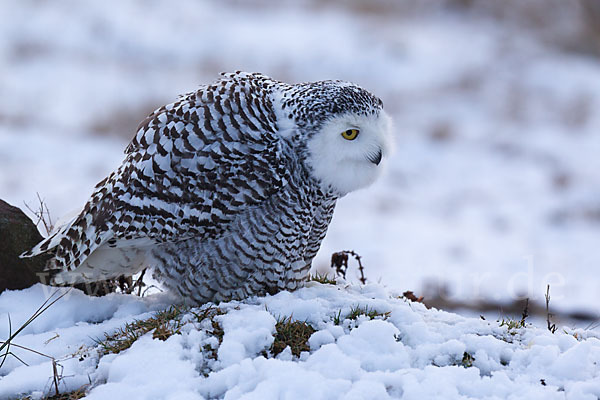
(344, 164)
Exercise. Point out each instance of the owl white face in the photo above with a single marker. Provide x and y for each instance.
(348, 152)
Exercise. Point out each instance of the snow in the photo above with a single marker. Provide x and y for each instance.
(246, 332)
(505, 198)
(491, 193)
(406, 352)
(160, 372)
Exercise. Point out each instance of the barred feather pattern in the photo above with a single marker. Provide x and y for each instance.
(214, 194)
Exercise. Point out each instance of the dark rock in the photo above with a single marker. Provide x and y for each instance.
(18, 234)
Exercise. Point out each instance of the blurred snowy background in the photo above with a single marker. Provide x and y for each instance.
(493, 191)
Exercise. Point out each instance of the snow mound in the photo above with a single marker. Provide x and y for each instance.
(368, 343)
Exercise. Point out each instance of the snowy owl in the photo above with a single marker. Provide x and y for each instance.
(228, 191)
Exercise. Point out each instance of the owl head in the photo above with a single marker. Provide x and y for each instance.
(345, 133)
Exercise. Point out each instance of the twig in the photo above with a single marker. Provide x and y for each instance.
(55, 376)
(42, 214)
(525, 313)
(363, 280)
(56, 335)
(551, 327)
(140, 282)
(150, 287)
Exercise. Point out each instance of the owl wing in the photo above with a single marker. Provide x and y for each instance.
(191, 168)
(197, 163)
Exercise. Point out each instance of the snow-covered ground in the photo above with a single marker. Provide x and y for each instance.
(404, 352)
(492, 192)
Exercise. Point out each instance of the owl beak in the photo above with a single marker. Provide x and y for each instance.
(375, 158)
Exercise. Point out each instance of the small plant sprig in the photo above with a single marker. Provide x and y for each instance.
(467, 360)
(356, 311)
(322, 278)
(371, 313)
(291, 333)
(551, 327)
(514, 324)
(339, 261)
(337, 319)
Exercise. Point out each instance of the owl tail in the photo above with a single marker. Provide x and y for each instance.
(70, 244)
(82, 253)
(106, 262)
(51, 242)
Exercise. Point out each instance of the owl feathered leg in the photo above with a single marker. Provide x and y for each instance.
(104, 263)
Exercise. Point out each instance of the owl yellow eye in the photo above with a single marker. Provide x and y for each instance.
(350, 134)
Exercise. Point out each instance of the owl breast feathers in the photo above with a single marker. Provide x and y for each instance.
(227, 192)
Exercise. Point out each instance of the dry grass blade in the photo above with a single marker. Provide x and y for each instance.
(29, 349)
(45, 305)
(55, 376)
(74, 395)
(7, 343)
(163, 324)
